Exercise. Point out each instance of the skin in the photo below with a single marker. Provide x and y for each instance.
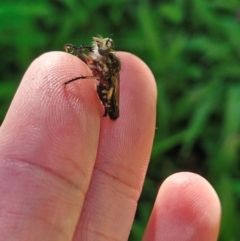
(66, 173)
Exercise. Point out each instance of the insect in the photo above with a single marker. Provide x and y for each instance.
(105, 66)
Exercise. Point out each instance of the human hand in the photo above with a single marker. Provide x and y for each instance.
(66, 173)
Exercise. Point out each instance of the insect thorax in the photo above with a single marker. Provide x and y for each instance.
(108, 66)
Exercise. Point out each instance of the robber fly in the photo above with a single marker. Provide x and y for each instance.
(105, 66)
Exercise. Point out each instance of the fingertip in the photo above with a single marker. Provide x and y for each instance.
(187, 208)
(63, 120)
(128, 140)
(139, 77)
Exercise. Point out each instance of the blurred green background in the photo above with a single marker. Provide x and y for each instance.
(193, 49)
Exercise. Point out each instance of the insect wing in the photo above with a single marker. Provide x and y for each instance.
(113, 110)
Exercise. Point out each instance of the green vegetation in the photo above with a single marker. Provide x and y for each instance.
(193, 49)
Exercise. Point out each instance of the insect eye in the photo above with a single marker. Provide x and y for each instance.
(104, 50)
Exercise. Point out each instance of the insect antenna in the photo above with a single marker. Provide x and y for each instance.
(109, 38)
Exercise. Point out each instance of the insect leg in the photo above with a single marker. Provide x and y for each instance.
(78, 51)
(102, 90)
(79, 77)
